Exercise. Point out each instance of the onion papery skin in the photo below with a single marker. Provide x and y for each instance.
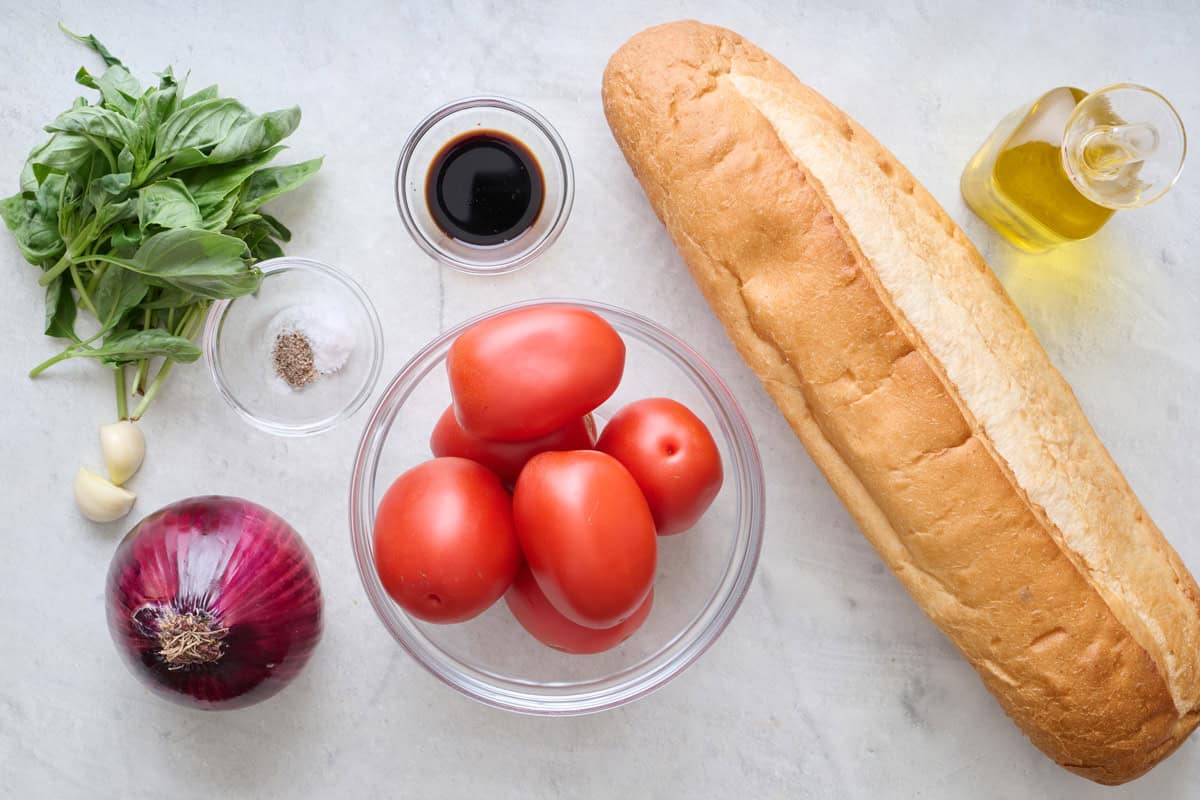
(233, 562)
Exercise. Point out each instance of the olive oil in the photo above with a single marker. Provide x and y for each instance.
(1018, 183)
(1057, 170)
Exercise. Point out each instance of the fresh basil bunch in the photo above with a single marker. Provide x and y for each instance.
(142, 208)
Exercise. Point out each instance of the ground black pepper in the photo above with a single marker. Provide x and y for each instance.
(293, 359)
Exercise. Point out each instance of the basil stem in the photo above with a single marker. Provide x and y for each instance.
(122, 396)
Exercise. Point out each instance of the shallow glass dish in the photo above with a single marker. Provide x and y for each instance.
(238, 346)
(703, 573)
(485, 114)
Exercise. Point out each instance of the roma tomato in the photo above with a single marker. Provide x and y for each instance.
(506, 458)
(445, 545)
(587, 535)
(671, 455)
(531, 608)
(527, 372)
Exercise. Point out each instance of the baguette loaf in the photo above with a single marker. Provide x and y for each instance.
(921, 393)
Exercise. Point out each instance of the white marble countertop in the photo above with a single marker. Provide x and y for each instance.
(830, 682)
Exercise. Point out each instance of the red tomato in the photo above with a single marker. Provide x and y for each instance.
(506, 458)
(587, 534)
(531, 608)
(671, 455)
(445, 546)
(527, 372)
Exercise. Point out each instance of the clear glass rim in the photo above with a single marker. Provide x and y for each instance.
(633, 682)
(212, 335)
(561, 213)
(1082, 185)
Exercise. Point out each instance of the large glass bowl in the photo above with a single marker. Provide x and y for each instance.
(703, 573)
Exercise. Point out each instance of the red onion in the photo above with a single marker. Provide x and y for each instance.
(214, 602)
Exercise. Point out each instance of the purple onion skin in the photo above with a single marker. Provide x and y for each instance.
(235, 562)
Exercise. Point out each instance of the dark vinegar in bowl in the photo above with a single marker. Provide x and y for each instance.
(484, 188)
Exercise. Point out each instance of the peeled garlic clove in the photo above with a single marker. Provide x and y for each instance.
(98, 499)
(124, 447)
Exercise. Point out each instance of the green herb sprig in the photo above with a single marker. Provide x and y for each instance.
(141, 209)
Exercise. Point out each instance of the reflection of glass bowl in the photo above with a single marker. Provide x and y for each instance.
(702, 573)
(239, 344)
(496, 114)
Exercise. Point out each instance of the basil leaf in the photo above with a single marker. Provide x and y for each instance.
(49, 197)
(269, 183)
(152, 109)
(28, 180)
(95, 121)
(181, 160)
(84, 78)
(258, 133)
(199, 126)
(118, 89)
(139, 150)
(249, 136)
(165, 104)
(258, 234)
(243, 220)
(281, 231)
(117, 79)
(15, 211)
(167, 80)
(126, 346)
(125, 238)
(210, 185)
(98, 168)
(253, 232)
(112, 213)
(101, 190)
(267, 248)
(60, 309)
(207, 264)
(167, 204)
(68, 153)
(37, 236)
(118, 291)
(207, 93)
(217, 217)
(169, 297)
(94, 43)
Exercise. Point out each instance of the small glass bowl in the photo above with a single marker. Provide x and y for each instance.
(703, 573)
(238, 346)
(484, 113)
